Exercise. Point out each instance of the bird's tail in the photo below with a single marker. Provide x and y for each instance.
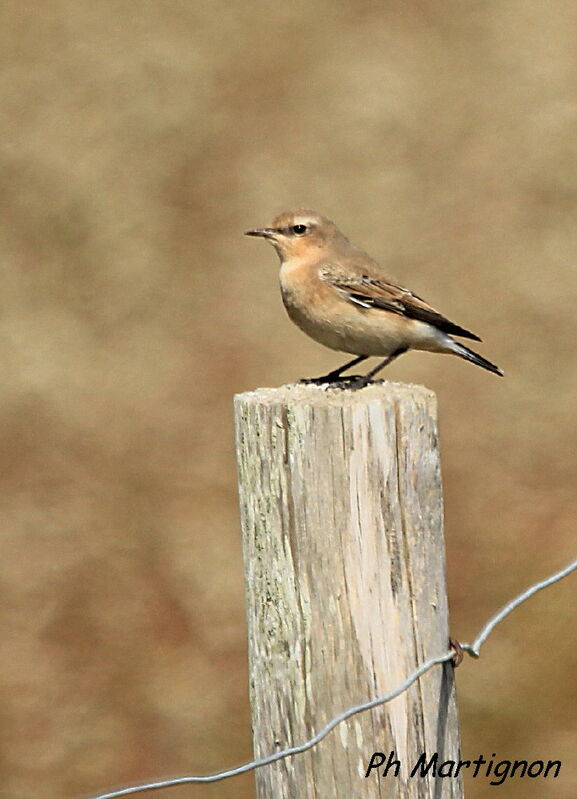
(475, 358)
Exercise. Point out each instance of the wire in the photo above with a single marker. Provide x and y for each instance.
(293, 750)
(473, 649)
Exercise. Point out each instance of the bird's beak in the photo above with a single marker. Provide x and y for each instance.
(263, 232)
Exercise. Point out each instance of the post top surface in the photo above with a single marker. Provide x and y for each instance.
(323, 395)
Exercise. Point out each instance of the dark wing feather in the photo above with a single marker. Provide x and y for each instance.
(368, 292)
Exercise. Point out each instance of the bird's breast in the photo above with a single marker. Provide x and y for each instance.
(311, 303)
(319, 310)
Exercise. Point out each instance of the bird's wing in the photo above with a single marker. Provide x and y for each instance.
(368, 292)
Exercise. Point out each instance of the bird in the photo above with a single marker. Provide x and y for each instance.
(342, 298)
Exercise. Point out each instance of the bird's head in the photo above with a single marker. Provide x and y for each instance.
(300, 234)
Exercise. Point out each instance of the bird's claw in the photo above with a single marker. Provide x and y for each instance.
(315, 381)
(352, 382)
(325, 380)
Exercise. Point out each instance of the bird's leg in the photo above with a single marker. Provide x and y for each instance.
(386, 362)
(364, 380)
(335, 375)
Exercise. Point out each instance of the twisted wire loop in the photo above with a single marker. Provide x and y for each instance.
(456, 648)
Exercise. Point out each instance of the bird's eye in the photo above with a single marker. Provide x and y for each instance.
(299, 230)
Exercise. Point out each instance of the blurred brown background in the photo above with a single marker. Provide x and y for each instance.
(138, 141)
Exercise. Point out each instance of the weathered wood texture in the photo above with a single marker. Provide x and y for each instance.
(341, 508)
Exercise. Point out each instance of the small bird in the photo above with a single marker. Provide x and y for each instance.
(342, 298)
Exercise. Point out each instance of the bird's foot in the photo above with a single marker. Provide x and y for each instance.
(331, 379)
(352, 382)
(358, 381)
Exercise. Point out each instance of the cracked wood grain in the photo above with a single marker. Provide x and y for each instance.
(342, 521)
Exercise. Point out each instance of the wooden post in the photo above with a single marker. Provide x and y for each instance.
(342, 519)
